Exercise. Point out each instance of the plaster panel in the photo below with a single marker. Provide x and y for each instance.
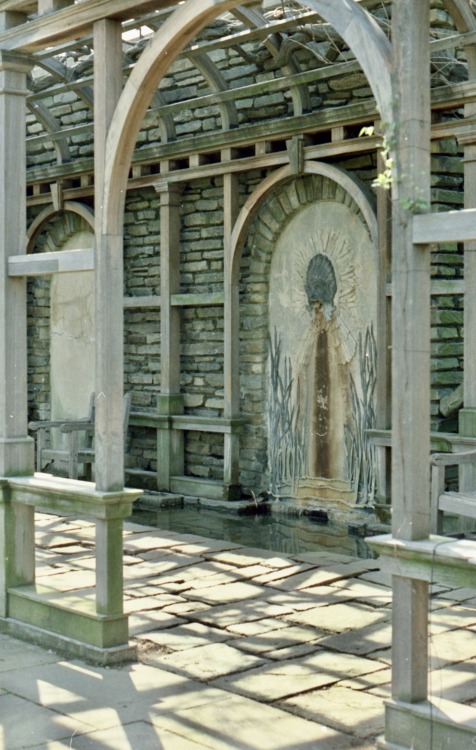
(322, 313)
(72, 338)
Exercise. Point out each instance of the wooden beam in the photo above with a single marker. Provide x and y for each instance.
(44, 264)
(74, 22)
(445, 226)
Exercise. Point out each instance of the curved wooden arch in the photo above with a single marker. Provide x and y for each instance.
(363, 199)
(367, 41)
(462, 14)
(351, 21)
(465, 20)
(68, 206)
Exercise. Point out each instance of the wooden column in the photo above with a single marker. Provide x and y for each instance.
(410, 337)
(109, 284)
(16, 448)
(109, 579)
(383, 335)
(231, 336)
(170, 443)
(467, 415)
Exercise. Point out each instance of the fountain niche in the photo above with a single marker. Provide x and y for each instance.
(322, 357)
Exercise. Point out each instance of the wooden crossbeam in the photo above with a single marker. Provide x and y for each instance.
(48, 263)
(447, 226)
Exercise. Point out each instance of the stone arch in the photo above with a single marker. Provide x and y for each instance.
(363, 199)
(71, 208)
(299, 198)
(61, 342)
(360, 194)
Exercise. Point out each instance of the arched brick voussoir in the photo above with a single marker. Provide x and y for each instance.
(359, 193)
(352, 22)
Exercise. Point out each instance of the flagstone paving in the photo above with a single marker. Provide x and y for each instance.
(238, 649)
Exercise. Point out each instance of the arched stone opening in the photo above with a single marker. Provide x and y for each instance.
(309, 280)
(61, 325)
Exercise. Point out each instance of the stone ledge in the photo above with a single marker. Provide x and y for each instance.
(61, 495)
(66, 616)
(433, 723)
(69, 646)
(449, 561)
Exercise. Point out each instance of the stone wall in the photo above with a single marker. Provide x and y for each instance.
(201, 262)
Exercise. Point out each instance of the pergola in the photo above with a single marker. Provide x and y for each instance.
(399, 76)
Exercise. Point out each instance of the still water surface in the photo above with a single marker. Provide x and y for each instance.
(281, 532)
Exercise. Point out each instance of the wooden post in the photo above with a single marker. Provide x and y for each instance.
(109, 579)
(410, 337)
(109, 438)
(17, 547)
(384, 321)
(231, 335)
(467, 415)
(170, 443)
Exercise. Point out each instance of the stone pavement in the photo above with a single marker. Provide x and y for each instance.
(238, 648)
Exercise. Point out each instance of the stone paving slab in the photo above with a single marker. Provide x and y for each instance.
(147, 603)
(325, 574)
(197, 545)
(206, 662)
(232, 592)
(99, 698)
(453, 646)
(138, 735)
(156, 619)
(70, 581)
(240, 724)
(302, 600)
(377, 683)
(354, 711)
(338, 618)
(244, 556)
(459, 595)
(43, 724)
(371, 593)
(146, 541)
(361, 641)
(277, 640)
(280, 680)
(282, 573)
(184, 637)
(186, 608)
(451, 618)
(238, 612)
(238, 648)
(257, 627)
(15, 655)
(456, 682)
